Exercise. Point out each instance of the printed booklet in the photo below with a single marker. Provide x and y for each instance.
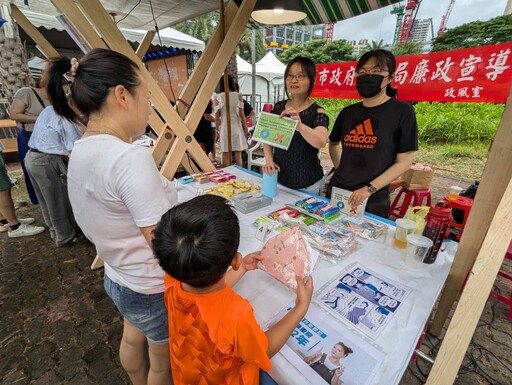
(323, 350)
(364, 299)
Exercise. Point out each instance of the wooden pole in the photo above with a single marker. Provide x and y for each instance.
(144, 44)
(44, 46)
(80, 22)
(495, 178)
(475, 294)
(116, 41)
(212, 78)
(189, 91)
(227, 91)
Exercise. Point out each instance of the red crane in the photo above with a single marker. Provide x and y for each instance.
(412, 5)
(444, 19)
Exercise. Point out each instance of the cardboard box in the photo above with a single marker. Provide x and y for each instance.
(417, 179)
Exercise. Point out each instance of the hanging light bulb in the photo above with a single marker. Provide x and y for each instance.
(278, 11)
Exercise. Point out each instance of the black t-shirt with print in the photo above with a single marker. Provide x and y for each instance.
(300, 164)
(371, 137)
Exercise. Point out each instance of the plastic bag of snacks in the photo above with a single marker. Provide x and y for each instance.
(333, 243)
(285, 256)
(362, 226)
(318, 208)
(417, 214)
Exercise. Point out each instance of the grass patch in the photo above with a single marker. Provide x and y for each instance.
(466, 160)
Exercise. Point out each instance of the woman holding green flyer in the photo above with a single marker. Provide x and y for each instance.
(299, 166)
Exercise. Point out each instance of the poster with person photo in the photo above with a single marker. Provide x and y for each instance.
(326, 352)
(364, 299)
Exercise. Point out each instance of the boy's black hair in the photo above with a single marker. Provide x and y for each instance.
(196, 241)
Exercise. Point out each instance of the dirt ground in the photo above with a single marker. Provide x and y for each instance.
(59, 327)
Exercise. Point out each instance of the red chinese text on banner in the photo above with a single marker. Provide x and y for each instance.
(480, 74)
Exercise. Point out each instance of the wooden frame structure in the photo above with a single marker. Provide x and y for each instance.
(488, 230)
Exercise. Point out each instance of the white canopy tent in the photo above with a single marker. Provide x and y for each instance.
(269, 74)
(170, 37)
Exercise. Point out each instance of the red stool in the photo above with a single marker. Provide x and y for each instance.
(464, 204)
(410, 198)
(267, 107)
(502, 298)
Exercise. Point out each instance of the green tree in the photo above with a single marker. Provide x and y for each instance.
(202, 27)
(339, 50)
(292, 52)
(474, 34)
(408, 47)
(245, 44)
(319, 51)
(373, 46)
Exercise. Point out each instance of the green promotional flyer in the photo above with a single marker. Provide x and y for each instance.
(273, 130)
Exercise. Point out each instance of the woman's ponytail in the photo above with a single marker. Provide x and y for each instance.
(58, 88)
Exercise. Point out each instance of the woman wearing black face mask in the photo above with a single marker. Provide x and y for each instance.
(378, 136)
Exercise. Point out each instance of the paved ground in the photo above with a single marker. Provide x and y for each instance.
(58, 326)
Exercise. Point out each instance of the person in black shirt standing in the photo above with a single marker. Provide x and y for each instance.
(378, 136)
(299, 166)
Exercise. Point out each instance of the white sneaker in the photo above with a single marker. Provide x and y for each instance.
(26, 221)
(25, 231)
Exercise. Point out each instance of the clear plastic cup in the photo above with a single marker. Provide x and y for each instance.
(403, 228)
(417, 248)
(454, 192)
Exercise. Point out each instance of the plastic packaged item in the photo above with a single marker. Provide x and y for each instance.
(332, 243)
(247, 202)
(362, 226)
(186, 179)
(417, 248)
(404, 227)
(436, 226)
(285, 256)
(417, 214)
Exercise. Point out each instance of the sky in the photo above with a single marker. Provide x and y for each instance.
(380, 24)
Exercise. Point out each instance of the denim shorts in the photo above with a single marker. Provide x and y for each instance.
(146, 312)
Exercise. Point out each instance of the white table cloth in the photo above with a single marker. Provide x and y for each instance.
(268, 297)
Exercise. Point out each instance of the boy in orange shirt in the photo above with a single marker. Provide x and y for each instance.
(214, 336)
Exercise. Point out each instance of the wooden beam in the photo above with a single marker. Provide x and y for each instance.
(217, 67)
(475, 294)
(43, 44)
(97, 263)
(116, 41)
(144, 44)
(80, 22)
(495, 178)
(189, 91)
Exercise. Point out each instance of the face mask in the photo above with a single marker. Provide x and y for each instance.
(368, 86)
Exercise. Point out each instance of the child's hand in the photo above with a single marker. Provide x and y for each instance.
(250, 261)
(304, 291)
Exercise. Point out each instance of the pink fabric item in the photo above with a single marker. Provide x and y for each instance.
(285, 256)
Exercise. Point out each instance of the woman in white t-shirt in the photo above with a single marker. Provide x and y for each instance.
(118, 196)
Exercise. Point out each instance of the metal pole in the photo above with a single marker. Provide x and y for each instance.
(253, 58)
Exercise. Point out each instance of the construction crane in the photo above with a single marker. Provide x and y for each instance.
(328, 31)
(444, 19)
(411, 7)
(398, 10)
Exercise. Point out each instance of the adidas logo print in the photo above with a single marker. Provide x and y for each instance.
(362, 136)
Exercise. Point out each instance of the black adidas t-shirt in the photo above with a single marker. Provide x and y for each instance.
(371, 137)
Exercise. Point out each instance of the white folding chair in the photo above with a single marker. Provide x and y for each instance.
(254, 161)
